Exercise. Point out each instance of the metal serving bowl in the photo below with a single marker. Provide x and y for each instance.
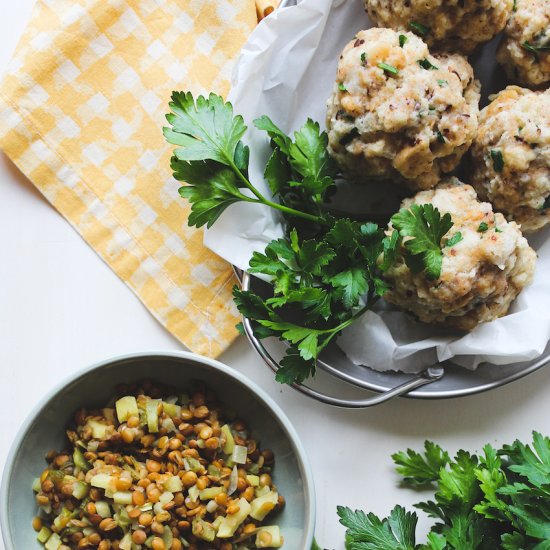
(437, 382)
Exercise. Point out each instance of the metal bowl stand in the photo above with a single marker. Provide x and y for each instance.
(403, 388)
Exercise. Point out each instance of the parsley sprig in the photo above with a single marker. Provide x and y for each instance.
(213, 160)
(423, 228)
(326, 271)
(497, 500)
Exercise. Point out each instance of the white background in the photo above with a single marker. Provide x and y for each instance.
(61, 309)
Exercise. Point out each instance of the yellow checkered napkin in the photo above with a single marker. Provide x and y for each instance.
(81, 111)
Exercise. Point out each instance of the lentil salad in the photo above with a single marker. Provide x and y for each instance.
(161, 471)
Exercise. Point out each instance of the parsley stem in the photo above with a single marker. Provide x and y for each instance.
(371, 301)
(334, 331)
(245, 180)
(292, 212)
(275, 205)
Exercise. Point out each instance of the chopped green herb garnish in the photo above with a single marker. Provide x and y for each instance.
(425, 64)
(419, 28)
(342, 87)
(482, 227)
(515, 6)
(427, 227)
(442, 83)
(498, 160)
(388, 68)
(455, 239)
(363, 58)
(498, 230)
(535, 50)
(440, 137)
(402, 40)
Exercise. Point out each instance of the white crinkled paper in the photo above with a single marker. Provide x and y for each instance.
(286, 70)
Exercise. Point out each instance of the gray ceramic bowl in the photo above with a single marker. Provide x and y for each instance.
(44, 430)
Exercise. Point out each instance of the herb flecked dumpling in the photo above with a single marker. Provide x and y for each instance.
(399, 113)
(486, 263)
(449, 25)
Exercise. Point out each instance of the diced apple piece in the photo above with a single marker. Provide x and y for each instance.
(173, 484)
(229, 444)
(193, 493)
(126, 542)
(261, 506)
(238, 456)
(99, 430)
(103, 481)
(151, 410)
(103, 509)
(126, 407)
(122, 497)
(269, 537)
(216, 523)
(43, 535)
(171, 410)
(210, 493)
(231, 523)
(54, 542)
(203, 529)
(80, 490)
(261, 490)
(253, 481)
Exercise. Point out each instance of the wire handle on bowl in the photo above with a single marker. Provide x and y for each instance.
(431, 374)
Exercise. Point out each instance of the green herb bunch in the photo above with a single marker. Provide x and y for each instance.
(498, 500)
(327, 270)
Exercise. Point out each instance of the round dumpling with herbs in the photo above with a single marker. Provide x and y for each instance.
(451, 25)
(525, 50)
(485, 261)
(399, 113)
(511, 156)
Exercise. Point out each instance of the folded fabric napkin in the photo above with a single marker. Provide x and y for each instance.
(81, 111)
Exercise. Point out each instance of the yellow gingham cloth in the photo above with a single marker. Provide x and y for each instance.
(81, 111)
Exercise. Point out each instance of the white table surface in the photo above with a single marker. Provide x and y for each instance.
(61, 308)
